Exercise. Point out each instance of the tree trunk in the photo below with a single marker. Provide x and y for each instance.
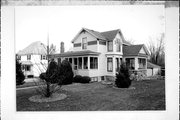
(48, 89)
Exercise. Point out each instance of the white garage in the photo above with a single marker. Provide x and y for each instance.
(152, 69)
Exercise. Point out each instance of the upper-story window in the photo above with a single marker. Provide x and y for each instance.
(118, 45)
(110, 46)
(84, 43)
(28, 57)
(43, 57)
(18, 57)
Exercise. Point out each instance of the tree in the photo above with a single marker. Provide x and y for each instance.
(65, 73)
(157, 55)
(19, 74)
(123, 77)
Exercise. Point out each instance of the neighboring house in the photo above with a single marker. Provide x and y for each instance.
(99, 54)
(33, 59)
(153, 69)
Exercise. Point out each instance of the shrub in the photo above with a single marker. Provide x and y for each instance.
(80, 79)
(65, 73)
(19, 74)
(51, 73)
(77, 78)
(42, 76)
(85, 79)
(123, 77)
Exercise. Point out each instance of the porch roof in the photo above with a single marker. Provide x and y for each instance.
(151, 65)
(75, 53)
(26, 63)
(133, 50)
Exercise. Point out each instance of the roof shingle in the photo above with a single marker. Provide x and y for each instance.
(76, 53)
(132, 50)
(37, 48)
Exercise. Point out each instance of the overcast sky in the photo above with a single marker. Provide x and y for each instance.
(136, 22)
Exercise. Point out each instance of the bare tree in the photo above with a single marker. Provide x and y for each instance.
(157, 51)
(47, 87)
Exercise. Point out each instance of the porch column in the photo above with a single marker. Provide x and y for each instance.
(146, 64)
(136, 63)
(114, 65)
(73, 63)
(88, 62)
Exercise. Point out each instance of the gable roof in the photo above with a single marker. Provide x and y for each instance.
(133, 50)
(151, 65)
(96, 34)
(37, 48)
(107, 35)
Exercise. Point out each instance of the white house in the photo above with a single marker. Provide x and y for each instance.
(99, 54)
(33, 59)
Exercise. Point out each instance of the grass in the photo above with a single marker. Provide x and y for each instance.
(147, 95)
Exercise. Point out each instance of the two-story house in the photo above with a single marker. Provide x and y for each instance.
(33, 59)
(99, 54)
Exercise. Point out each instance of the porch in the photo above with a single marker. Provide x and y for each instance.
(84, 63)
(137, 64)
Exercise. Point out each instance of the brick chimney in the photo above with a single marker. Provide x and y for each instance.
(62, 47)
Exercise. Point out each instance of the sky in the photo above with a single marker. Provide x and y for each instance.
(138, 23)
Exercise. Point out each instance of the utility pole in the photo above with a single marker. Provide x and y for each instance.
(48, 81)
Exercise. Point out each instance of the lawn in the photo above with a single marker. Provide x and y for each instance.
(147, 95)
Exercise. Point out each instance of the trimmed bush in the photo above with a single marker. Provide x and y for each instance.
(19, 74)
(81, 79)
(65, 73)
(42, 76)
(123, 77)
(50, 74)
(77, 79)
(85, 79)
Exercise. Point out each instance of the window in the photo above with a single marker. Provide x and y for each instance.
(80, 63)
(84, 43)
(118, 45)
(130, 62)
(109, 64)
(117, 64)
(110, 46)
(85, 62)
(26, 67)
(19, 57)
(28, 57)
(142, 63)
(70, 60)
(93, 63)
(75, 63)
(43, 57)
